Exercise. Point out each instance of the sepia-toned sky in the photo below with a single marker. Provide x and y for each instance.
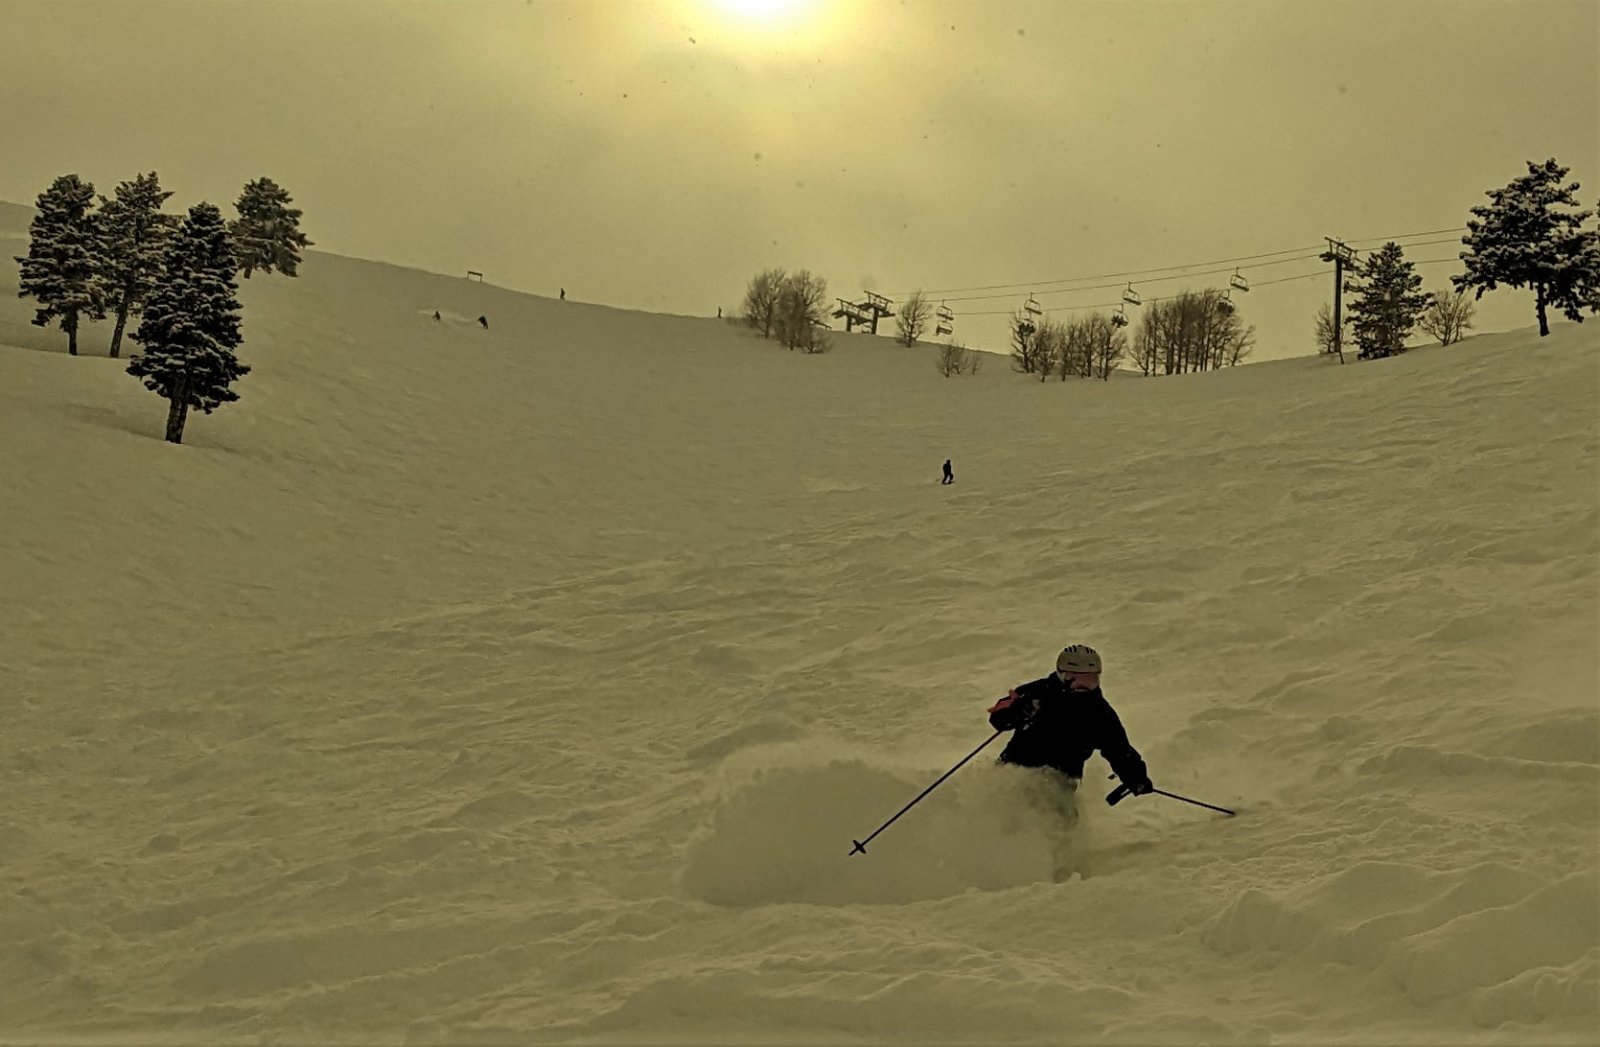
(655, 155)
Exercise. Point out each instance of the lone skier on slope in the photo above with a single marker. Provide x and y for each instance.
(1062, 719)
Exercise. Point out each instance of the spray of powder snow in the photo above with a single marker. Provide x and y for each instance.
(781, 819)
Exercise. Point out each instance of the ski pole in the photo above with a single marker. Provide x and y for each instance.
(1120, 792)
(861, 845)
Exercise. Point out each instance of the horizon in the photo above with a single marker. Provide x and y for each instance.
(655, 156)
(1416, 340)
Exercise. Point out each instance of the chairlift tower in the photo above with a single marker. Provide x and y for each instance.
(1340, 255)
(877, 307)
(852, 314)
(866, 313)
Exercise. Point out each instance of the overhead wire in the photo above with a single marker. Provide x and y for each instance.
(1169, 297)
(1044, 286)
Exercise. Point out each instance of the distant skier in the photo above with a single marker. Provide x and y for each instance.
(949, 476)
(436, 316)
(719, 312)
(563, 294)
(484, 320)
(1061, 719)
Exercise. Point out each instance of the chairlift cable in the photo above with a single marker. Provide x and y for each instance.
(1191, 265)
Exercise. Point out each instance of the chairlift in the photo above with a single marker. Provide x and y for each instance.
(1119, 318)
(1032, 306)
(1026, 327)
(1225, 303)
(942, 328)
(945, 312)
(1130, 296)
(1237, 282)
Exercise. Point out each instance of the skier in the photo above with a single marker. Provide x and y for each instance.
(563, 294)
(949, 476)
(436, 316)
(1061, 719)
(484, 320)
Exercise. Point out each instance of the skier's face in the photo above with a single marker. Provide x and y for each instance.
(1079, 681)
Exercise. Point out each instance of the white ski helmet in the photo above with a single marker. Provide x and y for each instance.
(1078, 658)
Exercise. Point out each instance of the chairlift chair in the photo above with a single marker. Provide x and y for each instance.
(1032, 306)
(1119, 318)
(945, 312)
(1130, 296)
(942, 328)
(1225, 303)
(1237, 282)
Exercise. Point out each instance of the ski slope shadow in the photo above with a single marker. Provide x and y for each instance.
(780, 827)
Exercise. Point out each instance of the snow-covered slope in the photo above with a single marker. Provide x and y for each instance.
(529, 685)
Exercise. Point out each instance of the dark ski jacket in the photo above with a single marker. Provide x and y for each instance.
(1059, 728)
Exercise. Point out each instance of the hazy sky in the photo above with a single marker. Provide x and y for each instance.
(655, 155)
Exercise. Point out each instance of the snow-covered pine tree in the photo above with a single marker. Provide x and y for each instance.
(134, 235)
(1520, 240)
(267, 233)
(191, 322)
(63, 246)
(1388, 302)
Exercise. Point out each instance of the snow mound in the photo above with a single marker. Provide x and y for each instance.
(782, 826)
(1507, 943)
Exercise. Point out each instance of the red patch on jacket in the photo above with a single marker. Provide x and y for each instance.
(1004, 703)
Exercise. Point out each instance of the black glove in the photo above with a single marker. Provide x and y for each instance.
(1127, 789)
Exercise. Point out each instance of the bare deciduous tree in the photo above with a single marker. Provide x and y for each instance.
(1082, 343)
(801, 312)
(1448, 316)
(1229, 338)
(1191, 331)
(1049, 347)
(761, 300)
(1023, 332)
(974, 359)
(1107, 344)
(1145, 350)
(1324, 332)
(912, 319)
(952, 358)
(1237, 345)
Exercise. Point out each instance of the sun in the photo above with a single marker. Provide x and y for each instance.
(763, 10)
(778, 26)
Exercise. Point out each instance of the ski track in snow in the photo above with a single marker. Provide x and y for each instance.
(538, 699)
